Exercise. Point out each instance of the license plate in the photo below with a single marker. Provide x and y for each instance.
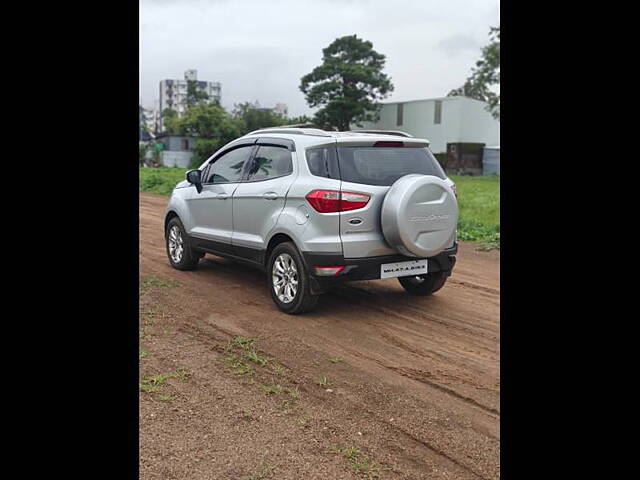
(403, 269)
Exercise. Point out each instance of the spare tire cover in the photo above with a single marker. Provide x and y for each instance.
(419, 215)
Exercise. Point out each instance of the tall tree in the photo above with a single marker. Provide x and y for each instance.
(195, 94)
(484, 82)
(348, 84)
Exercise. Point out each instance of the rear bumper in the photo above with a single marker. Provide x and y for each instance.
(368, 268)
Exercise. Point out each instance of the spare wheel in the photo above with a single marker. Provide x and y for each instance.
(419, 215)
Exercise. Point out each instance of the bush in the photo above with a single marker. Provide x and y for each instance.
(160, 180)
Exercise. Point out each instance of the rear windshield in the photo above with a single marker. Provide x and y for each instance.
(384, 165)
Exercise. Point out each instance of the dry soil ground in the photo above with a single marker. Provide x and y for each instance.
(372, 384)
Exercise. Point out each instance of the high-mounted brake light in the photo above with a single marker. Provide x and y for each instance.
(329, 201)
(328, 270)
(388, 144)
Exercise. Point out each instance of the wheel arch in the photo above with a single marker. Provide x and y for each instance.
(170, 214)
(275, 240)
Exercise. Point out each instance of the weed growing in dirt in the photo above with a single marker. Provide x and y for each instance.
(238, 365)
(154, 383)
(272, 389)
(293, 393)
(324, 381)
(165, 398)
(153, 281)
(243, 342)
(278, 369)
(143, 353)
(360, 463)
(255, 358)
(335, 360)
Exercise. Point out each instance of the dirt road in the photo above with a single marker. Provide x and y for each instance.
(372, 384)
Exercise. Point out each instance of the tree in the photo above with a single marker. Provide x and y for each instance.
(485, 76)
(195, 94)
(348, 84)
(169, 120)
(253, 117)
(211, 125)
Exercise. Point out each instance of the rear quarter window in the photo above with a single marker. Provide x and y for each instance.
(383, 166)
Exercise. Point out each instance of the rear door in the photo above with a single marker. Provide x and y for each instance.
(211, 209)
(372, 169)
(259, 199)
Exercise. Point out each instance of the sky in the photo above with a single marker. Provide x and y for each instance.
(259, 50)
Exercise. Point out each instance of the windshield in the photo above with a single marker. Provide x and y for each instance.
(383, 165)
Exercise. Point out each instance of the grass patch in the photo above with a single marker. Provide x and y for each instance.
(165, 398)
(272, 389)
(154, 383)
(479, 202)
(294, 393)
(153, 281)
(324, 381)
(255, 358)
(160, 180)
(360, 463)
(238, 365)
(143, 353)
(243, 342)
(335, 360)
(278, 369)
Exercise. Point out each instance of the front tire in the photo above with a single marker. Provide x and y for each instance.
(288, 280)
(181, 255)
(423, 285)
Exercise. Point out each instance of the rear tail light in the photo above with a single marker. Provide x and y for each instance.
(328, 201)
(455, 190)
(328, 270)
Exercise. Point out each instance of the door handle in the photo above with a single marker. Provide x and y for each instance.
(270, 195)
(223, 196)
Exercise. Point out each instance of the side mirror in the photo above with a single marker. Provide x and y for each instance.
(194, 177)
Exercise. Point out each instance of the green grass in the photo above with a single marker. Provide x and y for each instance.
(272, 389)
(324, 381)
(360, 463)
(478, 198)
(161, 180)
(479, 202)
(153, 281)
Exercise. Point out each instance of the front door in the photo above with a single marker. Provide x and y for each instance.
(211, 209)
(258, 201)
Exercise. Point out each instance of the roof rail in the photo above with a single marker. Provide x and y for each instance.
(292, 130)
(385, 132)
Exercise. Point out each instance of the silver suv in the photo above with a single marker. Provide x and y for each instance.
(314, 209)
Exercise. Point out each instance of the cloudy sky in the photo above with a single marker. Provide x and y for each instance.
(259, 50)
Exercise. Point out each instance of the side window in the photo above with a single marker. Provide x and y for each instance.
(228, 168)
(323, 162)
(270, 162)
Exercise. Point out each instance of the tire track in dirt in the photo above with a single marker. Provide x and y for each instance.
(431, 362)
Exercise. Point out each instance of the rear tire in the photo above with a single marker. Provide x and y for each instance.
(424, 284)
(288, 281)
(181, 255)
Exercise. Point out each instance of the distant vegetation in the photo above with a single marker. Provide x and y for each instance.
(479, 201)
(478, 197)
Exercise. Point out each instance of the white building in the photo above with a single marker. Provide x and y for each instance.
(152, 118)
(173, 93)
(280, 108)
(440, 120)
